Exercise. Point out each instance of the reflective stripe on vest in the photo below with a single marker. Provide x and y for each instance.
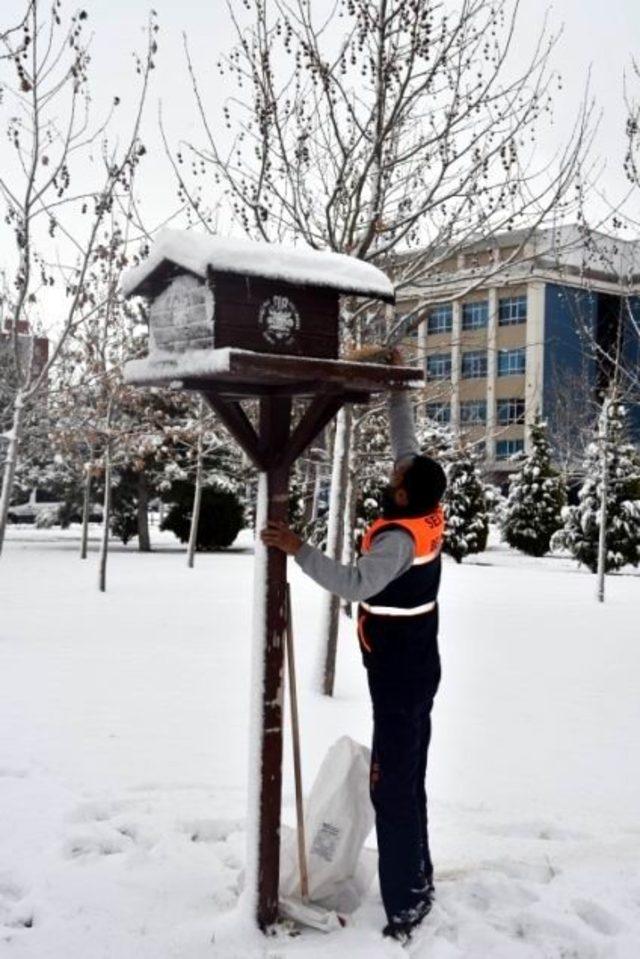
(396, 611)
(426, 531)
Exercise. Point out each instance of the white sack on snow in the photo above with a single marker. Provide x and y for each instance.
(338, 819)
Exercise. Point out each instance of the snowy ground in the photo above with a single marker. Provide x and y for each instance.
(123, 757)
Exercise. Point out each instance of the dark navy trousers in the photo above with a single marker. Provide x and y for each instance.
(403, 669)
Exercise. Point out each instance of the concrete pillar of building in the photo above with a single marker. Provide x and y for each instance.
(534, 376)
(492, 372)
(456, 339)
(421, 409)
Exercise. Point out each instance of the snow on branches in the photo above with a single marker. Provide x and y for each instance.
(533, 511)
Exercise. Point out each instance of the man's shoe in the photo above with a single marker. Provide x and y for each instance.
(402, 927)
(397, 931)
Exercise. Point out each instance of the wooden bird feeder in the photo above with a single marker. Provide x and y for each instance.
(236, 320)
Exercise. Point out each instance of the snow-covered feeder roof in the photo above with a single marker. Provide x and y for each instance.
(300, 266)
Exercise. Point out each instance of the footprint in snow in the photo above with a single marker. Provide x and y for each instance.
(9, 891)
(99, 841)
(548, 832)
(211, 830)
(557, 937)
(97, 811)
(598, 917)
(15, 913)
(538, 872)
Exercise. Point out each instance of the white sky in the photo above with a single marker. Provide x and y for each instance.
(603, 34)
(599, 34)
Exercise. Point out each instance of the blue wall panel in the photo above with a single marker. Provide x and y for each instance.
(631, 362)
(570, 319)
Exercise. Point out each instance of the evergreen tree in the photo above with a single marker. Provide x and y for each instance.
(465, 506)
(435, 440)
(496, 504)
(373, 464)
(582, 522)
(537, 495)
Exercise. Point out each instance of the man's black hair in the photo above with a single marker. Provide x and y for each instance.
(425, 483)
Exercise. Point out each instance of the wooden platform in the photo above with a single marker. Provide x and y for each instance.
(235, 373)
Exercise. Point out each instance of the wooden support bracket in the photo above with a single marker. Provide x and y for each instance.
(237, 422)
(317, 415)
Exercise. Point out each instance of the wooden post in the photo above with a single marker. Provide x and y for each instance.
(275, 419)
(273, 451)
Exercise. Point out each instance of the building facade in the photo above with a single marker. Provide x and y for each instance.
(506, 331)
(32, 350)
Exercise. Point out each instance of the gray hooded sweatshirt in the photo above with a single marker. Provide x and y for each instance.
(392, 551)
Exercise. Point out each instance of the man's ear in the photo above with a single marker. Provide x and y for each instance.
(401, 497)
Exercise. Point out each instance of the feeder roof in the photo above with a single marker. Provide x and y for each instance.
(300, 266)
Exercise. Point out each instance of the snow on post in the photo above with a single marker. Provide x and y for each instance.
(249, 900)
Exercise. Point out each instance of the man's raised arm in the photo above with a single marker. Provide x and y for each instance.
(402, 429)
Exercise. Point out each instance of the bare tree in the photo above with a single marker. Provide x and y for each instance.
(62, 182)
(391, 131)
(197, 491)
(200, 440)
(571, 416)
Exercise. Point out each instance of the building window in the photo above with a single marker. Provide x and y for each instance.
(440, 319)
(439, 412)
(507, 448)
(510, 411)
(475, 316)
(512, 310)
(474, 364)
(473, 411)
(439, 366)
(511, 362)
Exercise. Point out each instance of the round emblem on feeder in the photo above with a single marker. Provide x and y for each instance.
(279, 319)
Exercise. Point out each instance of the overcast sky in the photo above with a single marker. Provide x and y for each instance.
(601, 34)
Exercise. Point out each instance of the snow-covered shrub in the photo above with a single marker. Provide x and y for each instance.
(221, 515)
(533, 511)
(46, 518)
(558, 542)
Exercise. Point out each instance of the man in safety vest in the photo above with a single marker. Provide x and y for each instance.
(395, 580)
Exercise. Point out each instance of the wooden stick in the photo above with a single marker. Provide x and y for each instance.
(297, 768)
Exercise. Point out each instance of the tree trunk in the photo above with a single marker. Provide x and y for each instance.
(315, 497)
(86, 508)
(10, 464)
(602, 538)
(307, 491)
(197, 500)
(144, 540)
(335, 531)
(348, 545)
(106, 519)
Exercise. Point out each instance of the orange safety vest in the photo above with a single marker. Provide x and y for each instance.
(414, 591)
(427, 532)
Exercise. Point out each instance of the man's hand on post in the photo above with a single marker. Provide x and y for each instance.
(279, 535)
